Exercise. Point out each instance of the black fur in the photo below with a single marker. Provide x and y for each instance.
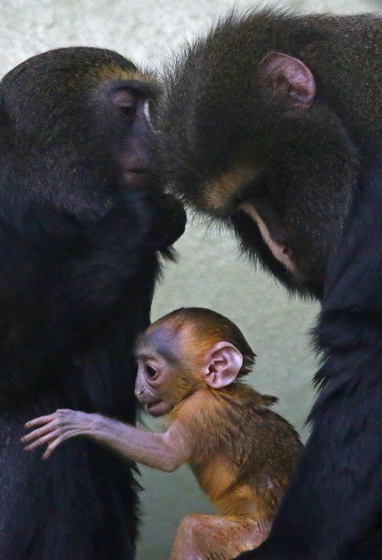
(346, 419)
(79, 258)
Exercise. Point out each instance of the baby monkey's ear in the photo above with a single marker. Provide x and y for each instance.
(222, 365)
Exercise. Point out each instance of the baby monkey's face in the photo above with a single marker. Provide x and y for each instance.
(153, 387)
(165, 377)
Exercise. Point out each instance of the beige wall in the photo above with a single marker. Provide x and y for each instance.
(209, 272)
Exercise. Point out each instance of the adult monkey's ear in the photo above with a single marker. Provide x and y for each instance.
(289, 78)
(222, 364)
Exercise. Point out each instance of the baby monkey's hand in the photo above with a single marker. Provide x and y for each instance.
(56, 428)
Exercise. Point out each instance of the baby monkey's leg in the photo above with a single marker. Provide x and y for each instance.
(215, 537)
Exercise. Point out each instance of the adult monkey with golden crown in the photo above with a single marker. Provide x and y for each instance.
(272, 125)
(83, 222)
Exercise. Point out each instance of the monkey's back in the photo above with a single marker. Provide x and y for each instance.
(245, 454)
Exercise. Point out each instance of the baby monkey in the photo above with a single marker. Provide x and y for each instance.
(242, 454)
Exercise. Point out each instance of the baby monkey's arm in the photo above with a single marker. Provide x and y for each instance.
(164, 451)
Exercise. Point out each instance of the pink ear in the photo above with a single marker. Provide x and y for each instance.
(289, 76)
(223, 363)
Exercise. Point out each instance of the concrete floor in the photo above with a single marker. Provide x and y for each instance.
(209, 272)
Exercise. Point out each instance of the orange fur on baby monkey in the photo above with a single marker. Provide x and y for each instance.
(242, 454)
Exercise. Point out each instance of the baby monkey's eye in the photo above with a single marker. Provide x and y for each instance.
(150, 372)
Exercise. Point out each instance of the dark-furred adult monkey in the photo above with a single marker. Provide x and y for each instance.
(242, 454)
(82, 220)
(273, 125)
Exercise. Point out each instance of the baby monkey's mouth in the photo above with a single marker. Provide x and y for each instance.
(153, 406)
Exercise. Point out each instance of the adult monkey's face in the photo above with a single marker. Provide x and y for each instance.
(77, 121)
(250, 141)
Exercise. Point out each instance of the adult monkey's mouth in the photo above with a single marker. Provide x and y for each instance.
(280, 250)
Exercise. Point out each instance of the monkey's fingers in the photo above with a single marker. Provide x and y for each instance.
(49, 427)
(38, 439)
(55, 443)
(39, 420)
